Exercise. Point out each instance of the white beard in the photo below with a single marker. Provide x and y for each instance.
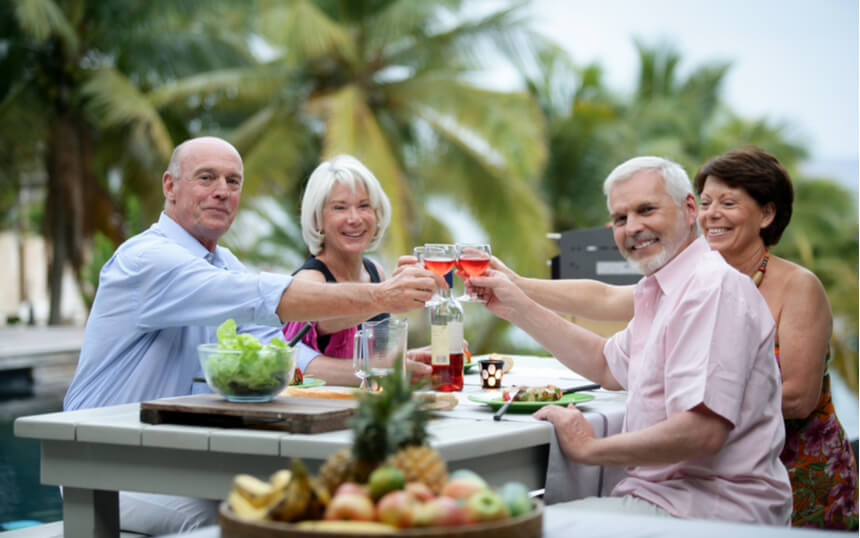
(670, 247)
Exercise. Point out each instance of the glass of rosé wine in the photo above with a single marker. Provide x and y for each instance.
(418, 252)
(439, 258)
(473, 259)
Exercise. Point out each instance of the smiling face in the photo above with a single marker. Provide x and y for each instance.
(348, 219)
(730, 218)
(205, 197)
(648, 226)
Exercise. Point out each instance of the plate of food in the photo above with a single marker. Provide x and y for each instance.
(531, 399)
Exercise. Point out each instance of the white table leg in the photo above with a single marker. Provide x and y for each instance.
(90, 513)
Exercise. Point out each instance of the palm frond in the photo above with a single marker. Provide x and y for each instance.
(352, 128)
(248, 82)
(305, 32)
(504, 130)
(116, 101)
(42, 19)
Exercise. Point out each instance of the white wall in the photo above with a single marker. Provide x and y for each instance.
(72, 308)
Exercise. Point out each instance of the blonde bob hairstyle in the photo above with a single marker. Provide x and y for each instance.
(346, 170)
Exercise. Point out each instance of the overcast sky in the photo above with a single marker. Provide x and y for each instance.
(794, 61)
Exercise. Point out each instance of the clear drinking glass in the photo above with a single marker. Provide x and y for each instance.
(439, 258)
(473, 259)
(418, 252)
(377, 346)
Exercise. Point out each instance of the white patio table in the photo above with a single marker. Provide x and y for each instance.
(95, 453)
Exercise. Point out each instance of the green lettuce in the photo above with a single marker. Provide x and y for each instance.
(257, 369)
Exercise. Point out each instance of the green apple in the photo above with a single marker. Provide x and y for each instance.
(385, 479)
(516, 497)
(486, 505)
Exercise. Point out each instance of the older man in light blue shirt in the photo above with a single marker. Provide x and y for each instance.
(166, 290)
(160, 295)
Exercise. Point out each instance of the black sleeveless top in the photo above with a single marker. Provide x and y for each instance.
(315, 264)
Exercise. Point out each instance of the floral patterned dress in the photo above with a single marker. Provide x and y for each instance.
(821, 466)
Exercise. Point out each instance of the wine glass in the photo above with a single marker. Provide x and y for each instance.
(473, 259)
(418, 252)
(439, 258)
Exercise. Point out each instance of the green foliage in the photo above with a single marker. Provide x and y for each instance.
(103, 249)
(390, 419)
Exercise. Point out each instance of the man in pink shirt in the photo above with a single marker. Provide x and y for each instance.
(703, 428)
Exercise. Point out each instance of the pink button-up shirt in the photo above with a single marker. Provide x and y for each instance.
(703, 334)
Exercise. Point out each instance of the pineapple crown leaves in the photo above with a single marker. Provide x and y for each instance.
(390, 419)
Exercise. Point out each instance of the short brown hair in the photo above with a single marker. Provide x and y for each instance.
(761, 176)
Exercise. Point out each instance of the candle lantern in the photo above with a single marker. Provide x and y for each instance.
(491, 373)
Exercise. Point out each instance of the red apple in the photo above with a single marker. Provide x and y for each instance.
(420, 491)
(462, 484)
(396, 508)
(352, 487)
(440, 512)
(350, 506)
(486, 505)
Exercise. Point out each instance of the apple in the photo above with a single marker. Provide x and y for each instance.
(462, 484)
(439, 512)
(396, 508)
(385, 479)
(516, 497)
(352, 487)
(486, 505)
(350, 507)
(420, 491)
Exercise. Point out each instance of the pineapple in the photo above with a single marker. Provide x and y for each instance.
(390, 427)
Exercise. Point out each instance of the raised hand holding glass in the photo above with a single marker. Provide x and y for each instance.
(473, 259)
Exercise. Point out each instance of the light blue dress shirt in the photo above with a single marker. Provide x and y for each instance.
(160, 295)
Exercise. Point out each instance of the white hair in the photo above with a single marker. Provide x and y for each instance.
(675, 179)
(346, 170)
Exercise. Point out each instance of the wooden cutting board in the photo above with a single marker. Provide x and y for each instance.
(291, 414)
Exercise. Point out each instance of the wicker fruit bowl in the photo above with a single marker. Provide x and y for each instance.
(525, 526)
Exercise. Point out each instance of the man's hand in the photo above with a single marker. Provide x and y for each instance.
(409, 288)
(575, 433)
(503, 297)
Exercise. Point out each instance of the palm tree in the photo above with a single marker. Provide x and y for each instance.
(391, 82)
(822, 237)
(75, 70)
(387, 82)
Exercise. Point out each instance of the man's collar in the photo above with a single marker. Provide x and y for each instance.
(177, 233)
(674, 273)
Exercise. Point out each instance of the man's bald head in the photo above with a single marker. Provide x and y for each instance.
(174, 167)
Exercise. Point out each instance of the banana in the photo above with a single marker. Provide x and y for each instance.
(245, 509)
(319, 500)
(254, 490)
(347, 527)
(280, 479)
(297, 496)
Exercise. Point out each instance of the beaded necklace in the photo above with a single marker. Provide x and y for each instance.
(759, 274)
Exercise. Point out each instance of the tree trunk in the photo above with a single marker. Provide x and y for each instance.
(65, 205)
